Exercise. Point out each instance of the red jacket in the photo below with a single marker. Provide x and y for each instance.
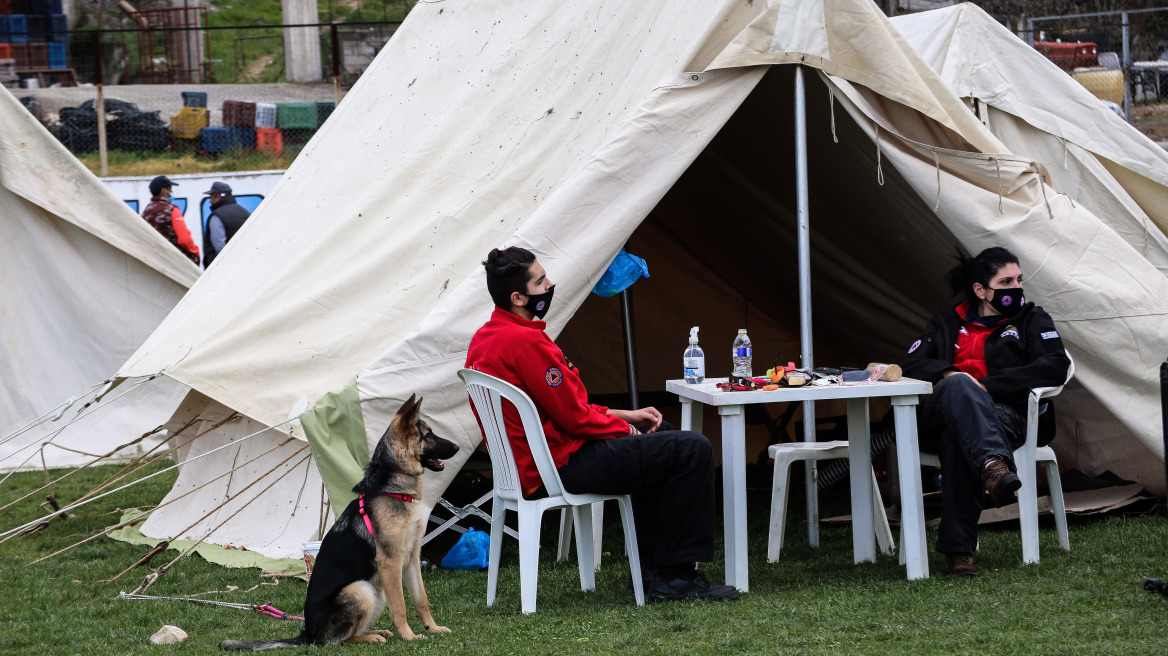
(518, 351)
(969, 348)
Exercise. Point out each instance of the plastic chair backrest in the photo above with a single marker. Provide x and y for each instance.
(1109, 60)
(1036, 396)
(487, 393)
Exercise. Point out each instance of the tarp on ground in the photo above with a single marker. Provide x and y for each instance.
(83, 282)
(575, 127)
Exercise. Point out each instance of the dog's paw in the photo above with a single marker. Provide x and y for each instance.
(437, 629)
(383, 632)
(409, 635)
(377, 637)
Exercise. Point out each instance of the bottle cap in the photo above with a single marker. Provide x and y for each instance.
(741, 331)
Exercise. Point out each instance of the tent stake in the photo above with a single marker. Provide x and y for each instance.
(803, 232)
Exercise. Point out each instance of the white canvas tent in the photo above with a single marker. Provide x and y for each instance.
(573, 128)
(1092, 155)
(83, 281)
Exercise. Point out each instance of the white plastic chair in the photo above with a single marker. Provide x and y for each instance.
(1026, 459)
(487, 393)
(786, 453)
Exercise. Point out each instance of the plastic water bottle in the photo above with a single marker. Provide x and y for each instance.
(741, 354)
(694, 360)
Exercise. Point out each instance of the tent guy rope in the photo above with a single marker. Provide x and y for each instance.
(140, 480)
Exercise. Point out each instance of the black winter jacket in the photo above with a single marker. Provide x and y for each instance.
(1020, 354)
(232, 214)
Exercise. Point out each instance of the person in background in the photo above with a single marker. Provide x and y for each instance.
(982, 357)
(227, 217)
(167, 219)
(669, 473)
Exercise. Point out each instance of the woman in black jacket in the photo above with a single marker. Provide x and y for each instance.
(983, 357)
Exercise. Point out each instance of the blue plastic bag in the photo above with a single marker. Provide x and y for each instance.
(625, 270)
(472, 551)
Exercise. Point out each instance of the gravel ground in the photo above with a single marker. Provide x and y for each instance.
(167, 98)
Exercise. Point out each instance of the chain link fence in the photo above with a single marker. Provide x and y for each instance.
(1119, 56)
(200, 99)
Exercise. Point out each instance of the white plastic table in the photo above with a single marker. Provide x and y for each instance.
(731, 407)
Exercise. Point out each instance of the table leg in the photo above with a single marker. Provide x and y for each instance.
(691, 415)
(860, 464)
(908, 456)
(734, 493)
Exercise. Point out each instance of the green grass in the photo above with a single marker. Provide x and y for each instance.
(1089, 600)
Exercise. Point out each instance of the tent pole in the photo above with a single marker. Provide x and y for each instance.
(630, 351)
(804, 237)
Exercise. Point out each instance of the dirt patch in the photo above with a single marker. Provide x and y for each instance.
(1152, 120)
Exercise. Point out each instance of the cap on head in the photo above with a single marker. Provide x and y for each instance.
(160, 182)
(220, 188)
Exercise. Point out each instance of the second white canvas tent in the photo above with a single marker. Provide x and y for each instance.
(83, 281)
(1094, 157)
(573, 128)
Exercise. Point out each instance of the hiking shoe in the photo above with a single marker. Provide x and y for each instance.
(961, 565)
(690, 585)
(999, 480)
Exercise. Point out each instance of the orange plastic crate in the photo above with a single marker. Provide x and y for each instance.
(270, 139)
(5, 51)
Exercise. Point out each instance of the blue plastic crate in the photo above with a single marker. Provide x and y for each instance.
(58, 29)
(243, 137)
(57, 55)
(54, 7)
(215, 140)
(3, 28)
(194, 99)
(17, 28)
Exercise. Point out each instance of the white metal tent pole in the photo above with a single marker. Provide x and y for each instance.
(804, 236)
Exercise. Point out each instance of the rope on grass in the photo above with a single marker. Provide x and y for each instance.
(140, 480)
(258, 609)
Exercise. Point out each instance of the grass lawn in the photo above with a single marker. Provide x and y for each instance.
(1087, 601)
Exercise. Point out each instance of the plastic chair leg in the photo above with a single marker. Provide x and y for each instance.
(529, 525)
(498, 515)
(1057, 503)
(585, 556)
(564, 547)
(597, 532)
(634, 554)
(778, 508)
(1028, 504)
(880, 520)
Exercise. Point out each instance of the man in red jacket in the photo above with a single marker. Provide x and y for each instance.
(167, 218)
(669, 473)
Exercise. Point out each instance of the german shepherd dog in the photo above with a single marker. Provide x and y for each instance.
(374, 546)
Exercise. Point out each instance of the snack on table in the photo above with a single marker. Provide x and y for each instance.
(887, 372)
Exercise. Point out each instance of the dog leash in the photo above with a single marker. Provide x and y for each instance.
(361, 506)
(259, 609)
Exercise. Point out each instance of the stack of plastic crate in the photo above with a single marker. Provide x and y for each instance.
(239, 118)
(188, 121)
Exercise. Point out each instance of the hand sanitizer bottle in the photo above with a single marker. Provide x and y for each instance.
(694, 359)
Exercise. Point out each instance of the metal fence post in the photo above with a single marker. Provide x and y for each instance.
(99, 107)
(336, 45)
(1128, 80)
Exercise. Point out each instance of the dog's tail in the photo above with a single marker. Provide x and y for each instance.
(261, 645)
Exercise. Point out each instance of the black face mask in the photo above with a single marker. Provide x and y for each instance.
(1008, 301)
(539, 303)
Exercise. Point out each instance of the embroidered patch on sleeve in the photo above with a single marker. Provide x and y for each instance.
(915, 345)
(554, 377)
(1050, 334)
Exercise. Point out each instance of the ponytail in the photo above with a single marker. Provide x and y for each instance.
(980, 269)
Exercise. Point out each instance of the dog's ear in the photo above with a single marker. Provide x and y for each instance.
(410, 409)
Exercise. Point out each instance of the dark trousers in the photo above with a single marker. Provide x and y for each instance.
(670, 476)
(963, 426)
